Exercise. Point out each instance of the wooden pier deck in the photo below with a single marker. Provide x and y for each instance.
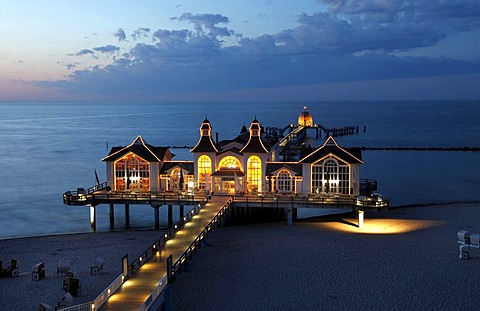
(136, 290)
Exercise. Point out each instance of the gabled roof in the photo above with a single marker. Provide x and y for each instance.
(232, 149)
(291, 166)
(142, 149)
(186, 165)
(349, 155)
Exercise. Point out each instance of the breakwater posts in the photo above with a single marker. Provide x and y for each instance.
(341, 131)
(473, 149)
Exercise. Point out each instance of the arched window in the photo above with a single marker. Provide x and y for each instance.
(204, 170)
(177, 180)
(230, 162)
(331, 176)
(254, 174)
(284, 181)
(132, 173)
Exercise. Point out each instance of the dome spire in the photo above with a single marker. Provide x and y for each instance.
(305, 118)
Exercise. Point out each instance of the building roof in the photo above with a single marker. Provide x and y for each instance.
(186, 165)
(205, 143)
(142, 149)
(305, 118)
(349, 155)
(291, 166)
(229, 173)
(254, 144)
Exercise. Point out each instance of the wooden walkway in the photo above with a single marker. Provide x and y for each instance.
(138, 287)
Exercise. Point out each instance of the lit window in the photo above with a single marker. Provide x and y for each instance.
(284, 181)
(204, 170)
(254, 174)
(331, 176)
(132, 173)
(229, 162)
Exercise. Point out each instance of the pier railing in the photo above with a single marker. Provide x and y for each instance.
(185, 257)
(152, 253)
(152, 198)
(311, 201)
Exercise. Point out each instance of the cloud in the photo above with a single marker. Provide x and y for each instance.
(207, 24)
(107, 49)
(351, 41)
(140, 33)
(120, 35)
(84, 52)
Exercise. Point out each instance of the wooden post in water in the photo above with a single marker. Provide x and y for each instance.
(112, 216)
(127, 215)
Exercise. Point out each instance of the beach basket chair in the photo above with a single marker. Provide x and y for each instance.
(45, 307)
(12, 271)
(65, 301)
(63, 266)
(73, 286)
(98, 266)
(38, 271)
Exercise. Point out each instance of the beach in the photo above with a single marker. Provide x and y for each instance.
(23, 293)
(332, 265)
(403, 259)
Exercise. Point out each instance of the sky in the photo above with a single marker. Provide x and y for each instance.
(230, 50)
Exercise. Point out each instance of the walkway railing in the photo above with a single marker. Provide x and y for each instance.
(95, 198)
(185, 257)
(151, 253)
(307, 201)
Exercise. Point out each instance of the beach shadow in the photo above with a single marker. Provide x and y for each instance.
(346, 222)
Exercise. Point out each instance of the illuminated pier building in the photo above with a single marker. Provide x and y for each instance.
(253, 162)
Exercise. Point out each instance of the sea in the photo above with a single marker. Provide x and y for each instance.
(49, 148)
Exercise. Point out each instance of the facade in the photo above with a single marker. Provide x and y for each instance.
(243, 165)
(140, 167)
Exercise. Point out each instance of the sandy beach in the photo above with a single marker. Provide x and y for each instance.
(23, 293)
(403, 259)
(331, 265)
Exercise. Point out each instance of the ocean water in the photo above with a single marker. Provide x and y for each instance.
(49, 148)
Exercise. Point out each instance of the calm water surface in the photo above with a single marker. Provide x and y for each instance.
(50, 148)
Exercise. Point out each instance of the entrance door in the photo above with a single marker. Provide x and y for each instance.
(228, 185)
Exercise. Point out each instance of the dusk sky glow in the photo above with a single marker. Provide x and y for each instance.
(239, 50)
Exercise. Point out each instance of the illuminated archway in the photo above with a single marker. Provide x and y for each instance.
(132, 173)
(331, 176)
(230, 162)
(204, 170)
(254, 174)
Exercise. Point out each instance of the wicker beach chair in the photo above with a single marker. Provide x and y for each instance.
(73, 286)
(65, 301)
(45, 307)
(63, 266)
(12, 271)
(98, 266)
(38, 271)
